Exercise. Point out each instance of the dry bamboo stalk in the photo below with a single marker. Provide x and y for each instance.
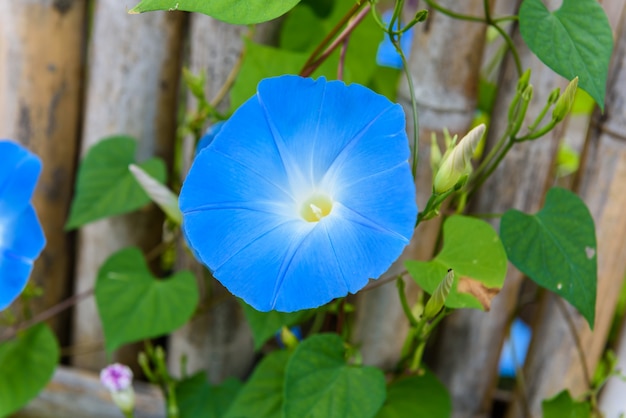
(470, 343)
(554, 363)
(133, 76)
(41, 49)
(79, 394)
(446, 84)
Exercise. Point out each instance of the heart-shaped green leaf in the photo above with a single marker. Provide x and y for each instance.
(417, 397)
(105, 187)
(197, 398)
(563, 406)
(237, 12)
(265, 325)
(319, 383)
(26, 365)
(472, 249)
(134, 305)
(556, 248)
(575, 40)
(262, 395)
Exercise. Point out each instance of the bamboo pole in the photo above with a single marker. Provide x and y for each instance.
(133, 79)
(41, 52)
(554, 362)
(446, 85)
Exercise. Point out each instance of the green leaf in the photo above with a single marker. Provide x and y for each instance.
(159, 193)
(563, 406)
(26, 365)
(319, 383)
(472, 249)
(556, 248)
(417, 397)
(575, 40)
(262, 395)
(237, 12)
(105, 187)
(197, 398)
(265, 325)
(135, 305)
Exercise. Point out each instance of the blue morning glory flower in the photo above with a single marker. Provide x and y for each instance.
(208, 136)
(305, 194)
(21, 236)
(515, 348)
(387, 56)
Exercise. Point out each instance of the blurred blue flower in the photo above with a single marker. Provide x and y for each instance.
(304, 195)
(515, 348)
(387, 56)
(209, 136)
(21, 236)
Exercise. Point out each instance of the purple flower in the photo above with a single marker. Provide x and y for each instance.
(21, 235)
(305, 194)
(116, 377)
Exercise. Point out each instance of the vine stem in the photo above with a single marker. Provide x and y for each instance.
(313, 63)
(47, 314)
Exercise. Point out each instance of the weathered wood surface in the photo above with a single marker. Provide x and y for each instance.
(133, 75)
(445, 64)
(469, 345)
(612, 402)
(79, 394)
(553, 362)
(40, 95)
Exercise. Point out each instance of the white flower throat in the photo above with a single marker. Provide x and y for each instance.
(316, 207)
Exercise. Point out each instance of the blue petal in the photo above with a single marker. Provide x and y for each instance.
(209, 136)
(386, 55)
(314, 121)
(14, 273)
(19, 170)
(518, 340)
(22, 236)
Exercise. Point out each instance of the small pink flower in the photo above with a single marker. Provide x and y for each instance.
(116, 377)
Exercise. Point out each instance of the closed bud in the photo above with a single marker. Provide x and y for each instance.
(523, 81)
(554, 96)
(439, 296)
(457, 163)
(435, 154)
(564, 103)
(288, 338)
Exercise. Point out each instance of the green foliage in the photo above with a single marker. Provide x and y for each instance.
(265, 325)
(575, 40)
(262, 395)
(319, 382)
(473, 250)
(197, 398)
(563, 406)
(417, 397)
(26, 365)
(556, 248)
(105, 187)
(135, 305)
(237, 12)
(158, 193)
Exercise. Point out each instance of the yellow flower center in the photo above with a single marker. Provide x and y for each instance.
(316, 207)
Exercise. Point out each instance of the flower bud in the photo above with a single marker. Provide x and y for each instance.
(118, 379)
(457, 163)
(288, 337)
(564, 103)
(523, 81)
(554, 96)
(435, 154)
(439, 296)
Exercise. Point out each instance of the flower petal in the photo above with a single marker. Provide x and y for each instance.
(22, 236)
(14, 273)
(19, 171)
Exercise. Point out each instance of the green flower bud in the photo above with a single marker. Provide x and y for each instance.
(439, 296)
(523, 81)
(288, 338)
(457, 163)
(435, 154)
(565, 102)
(554, 96)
